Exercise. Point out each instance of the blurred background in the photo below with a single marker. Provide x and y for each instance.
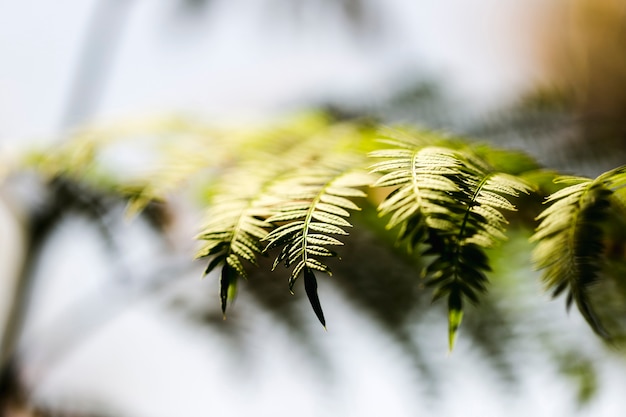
(105, 317)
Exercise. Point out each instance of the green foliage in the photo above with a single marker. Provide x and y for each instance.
(312, 208)
(288, 191)
(450, 201)
(292, 187)
(234, 230)
(570, 237)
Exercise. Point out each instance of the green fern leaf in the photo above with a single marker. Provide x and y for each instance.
(245, 197)
(569, 238)
(451, 201)
(313, 207)
(310, 287)
(235, 228)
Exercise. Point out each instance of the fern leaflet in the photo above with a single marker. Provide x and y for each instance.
(234, 231)
(452, 201)
(315, 204)
(569, 238)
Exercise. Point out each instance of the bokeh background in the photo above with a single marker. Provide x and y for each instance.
(115, 320)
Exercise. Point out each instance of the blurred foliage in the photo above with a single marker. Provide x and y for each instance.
(267, 188)
(291, 187)
(425, 205)
(571, 239)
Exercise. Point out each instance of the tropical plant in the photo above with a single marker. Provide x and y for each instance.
(289, 191)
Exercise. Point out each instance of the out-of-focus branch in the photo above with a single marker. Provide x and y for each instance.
(100, 43)
(99, 47)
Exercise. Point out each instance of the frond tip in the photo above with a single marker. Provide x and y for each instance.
(310, 287)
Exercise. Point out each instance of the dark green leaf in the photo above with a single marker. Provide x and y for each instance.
(310, 286)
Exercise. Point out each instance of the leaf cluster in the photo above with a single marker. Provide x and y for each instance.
(570, 238)
(288, 191)
(313, 211)
(294, 199)
(449, 203)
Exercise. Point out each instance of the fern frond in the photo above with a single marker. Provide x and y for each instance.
(451, 201)
(270, 185)
(424, 185)
(313, 208)
(235, 228)
(569, 238)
